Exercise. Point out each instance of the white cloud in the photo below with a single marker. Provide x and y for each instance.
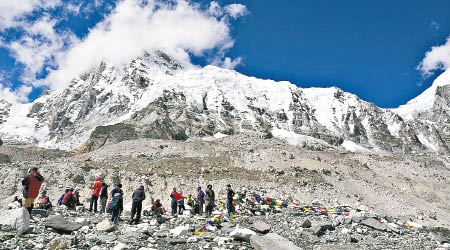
(215, 9)
(236, 10)
(438, 58)
(227, 62)
(36, 48)
(19, 95)
(135, 26)
(12, 11)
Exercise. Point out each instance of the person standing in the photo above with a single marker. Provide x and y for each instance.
(136, 207)
(181, 207)
(230, 195)
(95, 193)
(210, 198)
(173, 202)
(118, 189)
(103, 197)
(200, 199)
(31, 185)
(115, 205)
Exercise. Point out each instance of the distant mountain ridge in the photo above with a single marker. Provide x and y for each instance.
(154, 97)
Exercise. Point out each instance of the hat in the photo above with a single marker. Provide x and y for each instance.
(97, 179)
(34, 169)
(199, 187)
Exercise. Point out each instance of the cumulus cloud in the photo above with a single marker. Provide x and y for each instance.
(438, 58)
(13, 11)
(19, 95)
(36, 48)
(236, 10)
(178, 28)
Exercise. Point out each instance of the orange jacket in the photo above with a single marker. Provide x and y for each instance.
(97, 188)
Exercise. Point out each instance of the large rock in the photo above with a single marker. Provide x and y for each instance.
(242, 234)
(180, 231)
(105, 226)
(271, 241)
(372, 223)
(306, 223)
(18, 219)
(59, 243)
(438, 238)
(261, 227)
(61, 224)
(320, 229)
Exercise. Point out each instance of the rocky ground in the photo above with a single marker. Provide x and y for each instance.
(393, 189)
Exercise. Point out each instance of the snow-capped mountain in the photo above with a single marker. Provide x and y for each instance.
(154, 97)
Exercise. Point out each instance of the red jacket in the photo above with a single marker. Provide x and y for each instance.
(67, 198)
(97, 188)
(32, 183)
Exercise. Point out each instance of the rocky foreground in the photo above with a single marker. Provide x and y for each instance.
(274, 228)
(390, 201)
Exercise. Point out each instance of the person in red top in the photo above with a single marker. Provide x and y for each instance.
(31, 185)
(95, 193)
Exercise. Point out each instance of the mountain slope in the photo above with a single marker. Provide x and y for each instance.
(153, 97)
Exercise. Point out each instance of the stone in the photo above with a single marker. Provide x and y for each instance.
(176, 241)
(18, 218)
(320, 229)
(272, 241)
(306, 223)
(120, 246)
(60, 224)
(105, 226)
(261, 227)
(59, 243)
(372, 223)
(180, 231)
(412, 225)
(242, 234)
(438, 238)
(105, 238)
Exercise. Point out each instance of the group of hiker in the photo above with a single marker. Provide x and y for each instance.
(71, 199)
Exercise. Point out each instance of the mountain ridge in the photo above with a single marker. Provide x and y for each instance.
(153, 97)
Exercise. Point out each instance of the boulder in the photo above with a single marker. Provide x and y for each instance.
(261, 227)
(180, 231)
(306, 223)
(272, 241)
(60, 224)
(320, 229)
(176, 241)
(105, 226)
(438, 238)
(372, 223)
(242, 234)
(18, 219)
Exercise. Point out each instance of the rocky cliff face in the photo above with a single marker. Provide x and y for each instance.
(153, 97)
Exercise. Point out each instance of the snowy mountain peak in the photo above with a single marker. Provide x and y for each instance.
(155, 96)
(423, 103)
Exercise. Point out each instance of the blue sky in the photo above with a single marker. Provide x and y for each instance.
(369, 48)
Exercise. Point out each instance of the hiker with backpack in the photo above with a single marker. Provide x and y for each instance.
(200, 199)
(44, 203)
(230, 195)
(157, 208)
(210, 198)
(59, 203)
(95, 194)
(136, 207)
(118, 189)
(103, 197)
(68, 200)
(115, 205)
(31, 185)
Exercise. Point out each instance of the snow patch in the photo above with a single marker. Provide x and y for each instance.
(353, 147)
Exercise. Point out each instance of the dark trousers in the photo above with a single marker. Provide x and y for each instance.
(174, 206)
(230, 207)
(115, 216)
(209, 208)
(136, 209)
(181, 208)
(94, 200)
